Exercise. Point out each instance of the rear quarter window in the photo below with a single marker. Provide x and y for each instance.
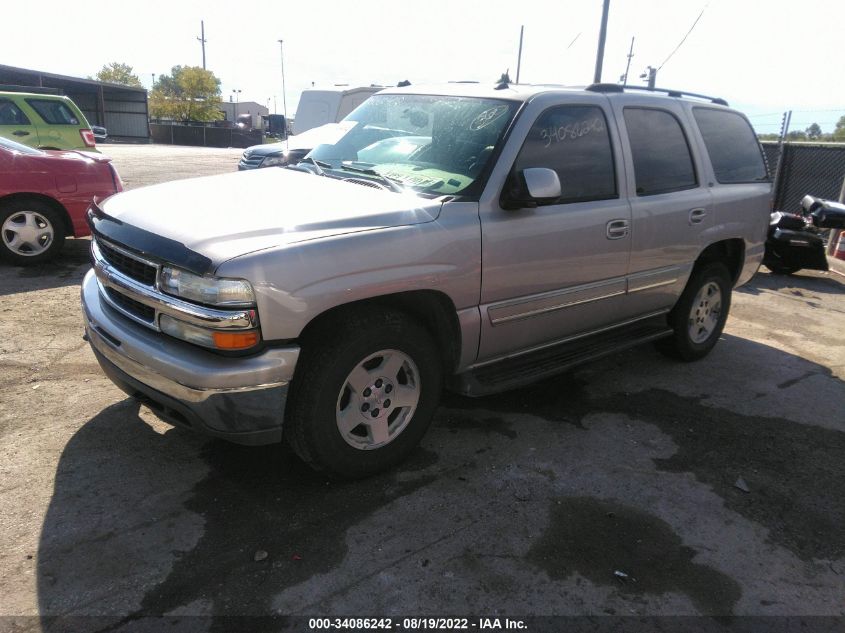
(731, 145)
(54, 112)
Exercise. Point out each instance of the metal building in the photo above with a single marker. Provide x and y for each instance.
(122, 110)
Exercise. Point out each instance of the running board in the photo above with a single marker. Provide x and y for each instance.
(522, 370)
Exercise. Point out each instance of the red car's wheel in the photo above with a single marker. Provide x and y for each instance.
(31, 232)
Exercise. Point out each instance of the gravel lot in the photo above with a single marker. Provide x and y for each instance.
(527, 503)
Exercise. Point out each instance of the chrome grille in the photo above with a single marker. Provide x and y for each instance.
(132, 267)
(135, 308)
(250, 161)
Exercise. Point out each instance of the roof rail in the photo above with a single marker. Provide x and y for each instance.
(667, 91)
(30, 89)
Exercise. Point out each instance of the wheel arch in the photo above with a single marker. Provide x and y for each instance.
(40, 197)
(432, 309)
(730, 252)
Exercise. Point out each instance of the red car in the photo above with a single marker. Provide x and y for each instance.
(44, 196)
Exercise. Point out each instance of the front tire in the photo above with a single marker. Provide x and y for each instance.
(365, 390)
(699, 317)
(31, 232)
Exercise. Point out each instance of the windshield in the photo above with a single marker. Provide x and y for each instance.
(9, 144)
(432, 144)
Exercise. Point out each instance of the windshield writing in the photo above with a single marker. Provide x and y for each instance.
(427, 143)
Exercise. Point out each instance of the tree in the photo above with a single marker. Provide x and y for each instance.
(189, 93)
(814, 132)
(796, 135)
(839, 132)
(117, 73)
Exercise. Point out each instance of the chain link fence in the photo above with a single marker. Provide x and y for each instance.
(805, 168)
(204, 136)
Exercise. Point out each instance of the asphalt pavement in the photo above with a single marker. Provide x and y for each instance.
(633, 486)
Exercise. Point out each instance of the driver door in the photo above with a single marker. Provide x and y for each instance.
(558, 269)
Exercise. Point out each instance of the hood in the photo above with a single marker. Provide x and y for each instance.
(328, 134)
(221, 217)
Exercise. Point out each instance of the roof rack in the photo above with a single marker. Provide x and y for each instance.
(667, 91)
(30, 89)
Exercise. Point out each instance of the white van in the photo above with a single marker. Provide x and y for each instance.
(318, 106)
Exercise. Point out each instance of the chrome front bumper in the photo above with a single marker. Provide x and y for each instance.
(241, 399)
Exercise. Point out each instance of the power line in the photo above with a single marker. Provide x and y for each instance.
(685, 37)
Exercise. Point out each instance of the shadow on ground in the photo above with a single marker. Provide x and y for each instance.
(143, 524)
(67, 269)
(803, 284)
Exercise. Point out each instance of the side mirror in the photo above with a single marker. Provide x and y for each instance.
(531, 187)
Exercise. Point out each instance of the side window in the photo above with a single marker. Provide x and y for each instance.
(10, 114)
(53, 112)
(661, 153)
(574, 141)
(732, 146)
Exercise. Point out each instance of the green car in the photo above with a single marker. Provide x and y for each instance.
(44, 121)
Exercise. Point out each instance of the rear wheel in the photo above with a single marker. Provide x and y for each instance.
(364, 393)
(699, 317)
(31, 232)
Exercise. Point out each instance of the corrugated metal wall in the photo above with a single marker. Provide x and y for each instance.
(123, 111)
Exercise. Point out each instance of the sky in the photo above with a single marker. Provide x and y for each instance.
(762, 57)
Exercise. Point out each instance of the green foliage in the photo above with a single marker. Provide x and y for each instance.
(839, 132)
(814, 132)
(189, 93)
(117, 73)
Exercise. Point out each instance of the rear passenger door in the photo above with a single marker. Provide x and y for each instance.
(60, 127)
(671, 205)
(15, 125)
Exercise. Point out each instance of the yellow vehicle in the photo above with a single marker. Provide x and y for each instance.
(44, 121)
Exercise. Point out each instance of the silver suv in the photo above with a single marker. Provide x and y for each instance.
(471, 237)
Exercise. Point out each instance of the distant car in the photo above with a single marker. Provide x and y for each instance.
(100, 133)
(44, 121)
(294, 149)
(382, 150)
(44, 197)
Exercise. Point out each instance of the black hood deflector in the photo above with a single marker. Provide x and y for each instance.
(146, 243)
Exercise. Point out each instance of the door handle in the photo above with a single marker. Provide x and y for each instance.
(697, 215)
(20, 133)
(617, 229)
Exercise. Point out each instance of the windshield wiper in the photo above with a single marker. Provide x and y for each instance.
(318, 166)
(392, 183)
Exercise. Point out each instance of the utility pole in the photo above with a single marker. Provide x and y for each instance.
(650, 75)
(628, 67)
(284, 92)
(602, 38)
(154, 81)
(519, 57)
(237, 94)
(202, 41)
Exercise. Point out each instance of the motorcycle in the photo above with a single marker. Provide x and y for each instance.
(795, 240)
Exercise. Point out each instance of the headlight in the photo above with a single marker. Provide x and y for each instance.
(213, 291)
(274, 160)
